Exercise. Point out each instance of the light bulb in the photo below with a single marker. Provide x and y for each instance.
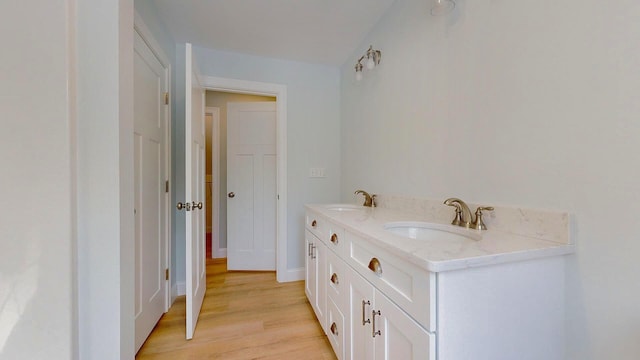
(358, 75)
(370, 63)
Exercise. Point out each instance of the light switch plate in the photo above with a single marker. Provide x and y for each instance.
(316, 173)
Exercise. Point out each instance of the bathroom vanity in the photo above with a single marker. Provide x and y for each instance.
(399, 284)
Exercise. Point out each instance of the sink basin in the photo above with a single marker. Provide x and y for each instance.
(345, 207)
(428, 231)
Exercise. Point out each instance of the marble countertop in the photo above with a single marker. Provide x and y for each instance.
(493, 247)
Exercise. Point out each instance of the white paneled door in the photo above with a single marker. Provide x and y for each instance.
(151, 201)
(251, 186)
(194, 192)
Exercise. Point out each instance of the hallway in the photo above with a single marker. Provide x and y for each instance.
(245, 315)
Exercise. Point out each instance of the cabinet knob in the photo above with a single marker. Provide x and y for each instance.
(334, 239)
(374, 265)
(314, 224)
(334, 278)
(334, 329)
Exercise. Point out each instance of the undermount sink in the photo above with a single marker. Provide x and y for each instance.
(429, 231)
(345, 207)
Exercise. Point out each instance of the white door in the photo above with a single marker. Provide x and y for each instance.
(150, 172)
(194, 193)
(251, 186)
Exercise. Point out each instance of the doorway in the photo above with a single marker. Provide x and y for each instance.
(283, 274)
(216, 165)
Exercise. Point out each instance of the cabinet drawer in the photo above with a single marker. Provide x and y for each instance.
(336, 329)
(412, 288)
(313, 223)
(336, 279)
(333, 236)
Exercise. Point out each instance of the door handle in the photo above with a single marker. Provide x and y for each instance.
(186, 206)
(231, 194)
(196, 205)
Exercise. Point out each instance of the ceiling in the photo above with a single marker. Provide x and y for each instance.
(315, 31)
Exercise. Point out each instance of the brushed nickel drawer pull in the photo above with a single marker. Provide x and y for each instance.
(334, 329)
(334, 278)
(314, 224)
(373, 328)
(374, 265)
(334, 239)
(367, 321)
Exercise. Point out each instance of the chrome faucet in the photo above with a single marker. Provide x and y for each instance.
(369, 200)
(463, 214)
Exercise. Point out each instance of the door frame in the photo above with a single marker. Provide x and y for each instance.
(216, 251)
(141, 28)
(279, 91)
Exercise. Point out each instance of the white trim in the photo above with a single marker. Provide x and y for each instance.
(141, 28)
(292, 275)
(179, 289)
(280, 92)
(215, 174)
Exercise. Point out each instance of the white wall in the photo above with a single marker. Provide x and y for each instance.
(105, 257)
(66, 256)
(523, 103)
(312, 125)
(37, 235)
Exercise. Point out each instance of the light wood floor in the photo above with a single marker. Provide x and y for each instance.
(245, 315)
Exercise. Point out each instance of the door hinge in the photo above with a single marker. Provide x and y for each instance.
(166, 186)
(166, 98)
(166, 274)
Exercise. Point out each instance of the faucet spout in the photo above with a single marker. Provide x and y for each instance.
(461, 208)
(368, 199)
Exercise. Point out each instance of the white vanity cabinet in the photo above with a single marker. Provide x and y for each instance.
(315, 266)
(375, 302)
(353, 305)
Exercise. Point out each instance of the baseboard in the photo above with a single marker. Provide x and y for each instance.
(178, 289)
(220, 253)
(291, 275)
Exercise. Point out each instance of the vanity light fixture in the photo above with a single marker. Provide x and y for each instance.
(371, 58)
(442, 7)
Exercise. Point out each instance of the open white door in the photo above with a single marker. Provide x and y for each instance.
(252, 187)
(194, 192)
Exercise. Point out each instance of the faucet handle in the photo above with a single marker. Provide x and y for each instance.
(478, 224)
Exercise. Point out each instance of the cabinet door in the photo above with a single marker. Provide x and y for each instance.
(361, 301)
(309, 269)
(319, 256)
(397, 336)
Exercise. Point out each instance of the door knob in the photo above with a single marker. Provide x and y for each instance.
(232, 194)
(186, 206)
(196, 205)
